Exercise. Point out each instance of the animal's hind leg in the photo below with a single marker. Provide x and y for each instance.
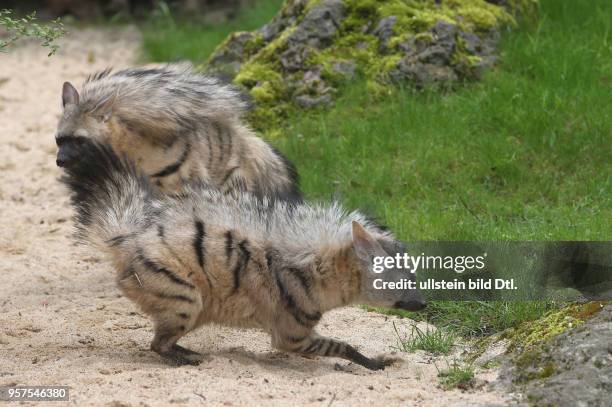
(321, 346)
(164, 343)
(171, 324)
(174, 313)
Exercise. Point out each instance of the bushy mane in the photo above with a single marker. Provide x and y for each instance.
(168, 99)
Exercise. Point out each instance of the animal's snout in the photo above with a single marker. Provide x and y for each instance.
(410, 305)
(70, 149)
(64, 158)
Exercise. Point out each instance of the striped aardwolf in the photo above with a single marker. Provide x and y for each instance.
(208, 257)
(178, 126)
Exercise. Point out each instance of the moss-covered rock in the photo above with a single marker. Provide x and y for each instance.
(532, 345)
(312, 46)
(564, 359)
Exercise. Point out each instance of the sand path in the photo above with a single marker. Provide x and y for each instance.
(63, 321)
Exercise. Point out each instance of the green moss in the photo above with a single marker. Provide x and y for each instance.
(264, 92)
(360, 47)
(310, 5)
(263, 82)
(396, 8)
(466, 64)
(253, 45)
(533, 333)
(527, 342)
(478, 15)
(469, 15)
(267, 87)
(555, 322)
(381, 68)
(254, 73)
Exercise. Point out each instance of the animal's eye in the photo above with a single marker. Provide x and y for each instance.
(61, 139)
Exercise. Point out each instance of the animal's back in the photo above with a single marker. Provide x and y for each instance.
(179, 126)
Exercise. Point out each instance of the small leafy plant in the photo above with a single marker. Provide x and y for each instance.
(27, 27)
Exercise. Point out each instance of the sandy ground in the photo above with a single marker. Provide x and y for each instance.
(63, 321)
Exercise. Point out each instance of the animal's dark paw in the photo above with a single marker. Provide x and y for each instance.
(180, 356)
(182, 360)
(184, 351)
(381, 362)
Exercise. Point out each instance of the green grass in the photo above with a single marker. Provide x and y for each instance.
(169, 38)
(476, 318)
(436, 341)
(456, 375)
(523, 155)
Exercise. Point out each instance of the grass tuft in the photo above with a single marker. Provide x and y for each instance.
(456, 375)
(436, 341)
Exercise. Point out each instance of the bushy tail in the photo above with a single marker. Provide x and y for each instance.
(111, 197)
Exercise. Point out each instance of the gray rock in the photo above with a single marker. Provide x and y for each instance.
(271, 30)
(319, 25)
(445, 35)
(308, 101)
(229, 59)
(422, 74)
(444, 30)
(312, 84)
(582, 362)
(436, 52)
(384, 30)
(294, 57)
(472, 42)
(483, 47)
(436, 55)
(425, 60)
(312, 76)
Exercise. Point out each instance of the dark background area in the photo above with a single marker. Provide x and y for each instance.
(94, 9)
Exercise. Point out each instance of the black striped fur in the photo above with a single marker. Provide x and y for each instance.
(206, 257)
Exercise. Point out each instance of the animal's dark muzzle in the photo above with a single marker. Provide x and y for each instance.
(63, 160)
(67, 153)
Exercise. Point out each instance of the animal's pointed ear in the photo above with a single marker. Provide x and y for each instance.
(365, 244)
(70, 96)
